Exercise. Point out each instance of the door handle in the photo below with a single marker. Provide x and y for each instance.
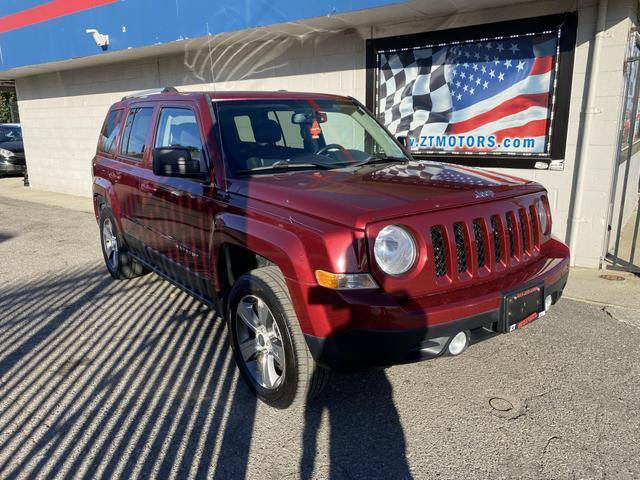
(148, 187)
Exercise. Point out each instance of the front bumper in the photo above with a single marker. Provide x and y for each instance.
(478, 311)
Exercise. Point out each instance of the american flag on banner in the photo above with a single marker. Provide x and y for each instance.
(453, 177)
(491, 96)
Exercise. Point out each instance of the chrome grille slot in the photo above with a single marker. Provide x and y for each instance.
(534, 227)
(461, 247)
(523, 230)
(497, 243)
(511, 235)
(479, 237)
(439, 251)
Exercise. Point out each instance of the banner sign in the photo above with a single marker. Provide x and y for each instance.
(489, 96)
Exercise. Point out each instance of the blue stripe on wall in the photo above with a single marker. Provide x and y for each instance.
(137, 23)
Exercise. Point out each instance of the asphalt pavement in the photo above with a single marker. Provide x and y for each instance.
(134, 379)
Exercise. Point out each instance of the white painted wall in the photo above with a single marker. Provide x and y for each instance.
(62, 112)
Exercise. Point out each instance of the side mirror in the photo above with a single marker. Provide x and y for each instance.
(175, 162)
(404, 141)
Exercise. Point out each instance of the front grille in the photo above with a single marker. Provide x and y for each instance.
(511, 235)
(481, 246)
(523, 230)
(461, 248)
(439, 251)
(477, 233)
(497, 243)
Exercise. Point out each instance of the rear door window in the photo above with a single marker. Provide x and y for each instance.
(107, 143)
(136, 131)
(178, 127)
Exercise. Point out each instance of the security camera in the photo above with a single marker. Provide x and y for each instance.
(101, 40)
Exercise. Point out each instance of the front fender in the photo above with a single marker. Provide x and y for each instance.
(279, 245)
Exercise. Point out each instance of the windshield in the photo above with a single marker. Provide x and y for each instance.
(10, 134)
(264, 135)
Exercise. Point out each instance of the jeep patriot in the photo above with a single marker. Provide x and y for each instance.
(314, 232)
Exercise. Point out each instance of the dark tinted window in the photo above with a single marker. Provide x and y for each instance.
(135, 131)
(178, 128)
(109, 134)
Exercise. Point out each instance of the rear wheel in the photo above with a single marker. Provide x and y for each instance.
(116, 257)
(268, 345)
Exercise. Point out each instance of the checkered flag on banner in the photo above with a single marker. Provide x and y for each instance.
(414, 95)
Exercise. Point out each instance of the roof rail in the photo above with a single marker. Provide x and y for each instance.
(151, 91)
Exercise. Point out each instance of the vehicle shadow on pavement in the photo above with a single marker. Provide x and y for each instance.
(361, 403)
(366, 438)
(116, 379)
(135, 379)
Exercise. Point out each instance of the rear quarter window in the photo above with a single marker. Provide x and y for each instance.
(109, 135)
(136, 132)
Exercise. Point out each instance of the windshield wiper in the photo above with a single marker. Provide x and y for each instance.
(284, 166)
(380, 159)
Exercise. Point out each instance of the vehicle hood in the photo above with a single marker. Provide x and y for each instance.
(372, 193)
(15, 147)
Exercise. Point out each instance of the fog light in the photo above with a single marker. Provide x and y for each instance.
(458, 343)
(548, 301)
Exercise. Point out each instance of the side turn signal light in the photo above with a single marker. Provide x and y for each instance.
(345, 281)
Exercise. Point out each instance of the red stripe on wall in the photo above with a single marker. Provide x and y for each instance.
(47, 11)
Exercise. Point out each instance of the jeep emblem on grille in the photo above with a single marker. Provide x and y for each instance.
(484, 194)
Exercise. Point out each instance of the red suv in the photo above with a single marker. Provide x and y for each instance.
(323, 242)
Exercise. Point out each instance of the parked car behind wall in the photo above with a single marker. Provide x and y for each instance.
(12, 159)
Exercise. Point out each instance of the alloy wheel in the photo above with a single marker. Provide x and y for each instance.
(110, 244)
(260, 342)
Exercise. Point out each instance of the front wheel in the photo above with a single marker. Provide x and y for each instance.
(116, 257)
(268, 345)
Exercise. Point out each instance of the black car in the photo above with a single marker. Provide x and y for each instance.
(11, 149)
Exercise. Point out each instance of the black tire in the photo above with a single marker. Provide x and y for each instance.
(302, 378)
(120, 264)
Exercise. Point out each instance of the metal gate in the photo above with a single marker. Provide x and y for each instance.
(622, 242)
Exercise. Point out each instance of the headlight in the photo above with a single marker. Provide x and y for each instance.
(395, 250)
(543, 217)
(5, 153)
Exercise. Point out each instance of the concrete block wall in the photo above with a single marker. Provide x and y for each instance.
(62, 112)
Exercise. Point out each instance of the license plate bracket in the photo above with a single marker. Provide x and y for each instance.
(522, 307)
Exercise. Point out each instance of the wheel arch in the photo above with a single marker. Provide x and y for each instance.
(104, 195)
(240, 242)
